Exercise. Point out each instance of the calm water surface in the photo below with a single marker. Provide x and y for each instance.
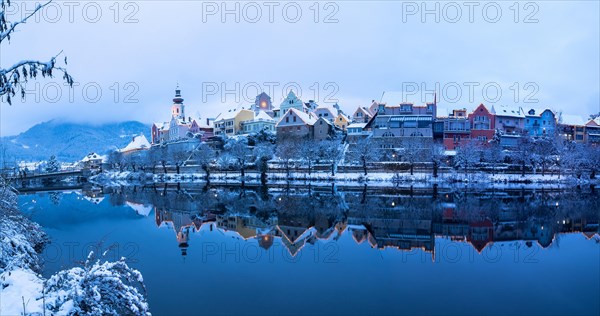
(330, 250)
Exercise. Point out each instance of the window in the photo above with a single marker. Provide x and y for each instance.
(294, 119)
(321, 123)
(287, 119)
(326, 114)
(359, 114)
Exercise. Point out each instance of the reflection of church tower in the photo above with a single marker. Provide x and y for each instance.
(182, 238)
(265, 241)
(178, 109)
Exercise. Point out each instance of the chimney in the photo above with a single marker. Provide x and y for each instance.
(207, 122)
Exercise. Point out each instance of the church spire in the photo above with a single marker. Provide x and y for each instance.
(178, 109)
(178, 99)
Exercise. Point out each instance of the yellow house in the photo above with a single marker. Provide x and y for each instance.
(342, 121)
(229, 123)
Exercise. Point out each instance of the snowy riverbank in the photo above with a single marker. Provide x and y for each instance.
(349, 178)
(98, 287)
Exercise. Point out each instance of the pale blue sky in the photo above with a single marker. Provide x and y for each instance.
(369, 50)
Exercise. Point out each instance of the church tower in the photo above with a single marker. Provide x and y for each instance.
(178, 109)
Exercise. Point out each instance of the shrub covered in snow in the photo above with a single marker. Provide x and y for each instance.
(21, 239)
(97, 288)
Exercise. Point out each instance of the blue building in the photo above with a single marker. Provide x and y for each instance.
(540, 122)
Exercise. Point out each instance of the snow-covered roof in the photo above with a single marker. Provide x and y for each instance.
(327, 107)
(326, 120)
(594, 122)
(202, 123)
(357, 125)
(511, 111)
(141, 209)
(231, 114)
(363, 110)
(537, 111)
(93, 156)
(139, 142)
(262, 115)
(94, 200)
(304, 117)
(450, 152)
(162, 125)
(569, 119)
(343, 115)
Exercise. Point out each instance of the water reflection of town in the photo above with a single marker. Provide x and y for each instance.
(403, 219)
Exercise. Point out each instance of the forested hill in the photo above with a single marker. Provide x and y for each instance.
(68, 141)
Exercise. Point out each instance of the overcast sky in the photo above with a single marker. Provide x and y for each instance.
(369, 48)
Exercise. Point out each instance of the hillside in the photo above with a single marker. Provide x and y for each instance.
(68, 141)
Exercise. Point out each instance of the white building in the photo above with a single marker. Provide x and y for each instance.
(261, 122)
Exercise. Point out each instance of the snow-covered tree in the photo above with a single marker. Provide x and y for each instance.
(204, 156)
(178, 156)
(309, 152)
(493, 155)
(412, 150)
(332, 150)
(436, 156)
(151, 159)
(263, 153)
(365, 150)
(53, 165)
(116, 160)
(13, 79)
(97, 288)
(522, 154)
(542, 153)
(238, 151)
(468, 155)
(593, 153)
(287, 150)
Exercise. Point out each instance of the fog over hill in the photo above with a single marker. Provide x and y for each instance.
(68, 141)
